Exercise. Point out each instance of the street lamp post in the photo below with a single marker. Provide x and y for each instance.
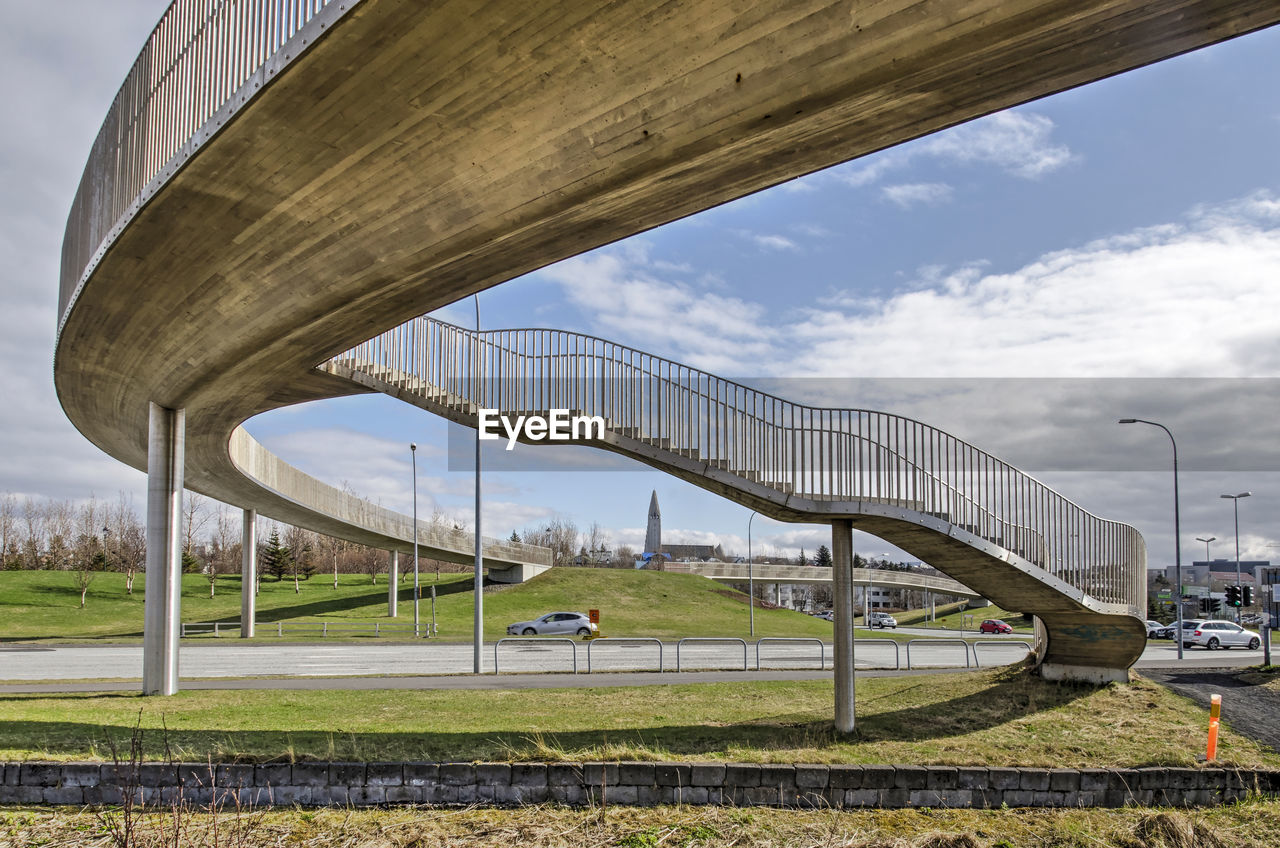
(1177, 525)
(413, 456)
(478, 624)
(751, 582)
(1235, 508)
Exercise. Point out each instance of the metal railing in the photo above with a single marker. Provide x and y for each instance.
(376, 629)
(996, 643)
(711, 426)
(897, 656)
(961, 642)
(706, 639)
(202, 56)
(541, 640)
(822, 646)
(622, 641)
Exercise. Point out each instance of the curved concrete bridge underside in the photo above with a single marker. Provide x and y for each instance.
(276, 183)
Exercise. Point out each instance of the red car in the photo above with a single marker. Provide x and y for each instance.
(994, 625)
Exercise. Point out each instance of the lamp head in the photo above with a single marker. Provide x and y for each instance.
(1127, 421)
(412, 446)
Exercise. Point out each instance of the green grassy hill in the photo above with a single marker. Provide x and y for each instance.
(44, 605)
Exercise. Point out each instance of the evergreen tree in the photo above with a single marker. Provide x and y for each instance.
(275, 557)
(822, 558)
(800, 560)
(515, 538)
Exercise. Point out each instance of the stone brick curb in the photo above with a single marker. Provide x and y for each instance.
(318, 784)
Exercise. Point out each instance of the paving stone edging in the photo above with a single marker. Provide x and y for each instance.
(632, 783)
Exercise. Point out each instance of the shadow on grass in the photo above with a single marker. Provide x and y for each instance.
(1011, 695)
(376, 596)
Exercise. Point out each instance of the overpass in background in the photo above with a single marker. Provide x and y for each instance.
(737, 572)
(279, 180)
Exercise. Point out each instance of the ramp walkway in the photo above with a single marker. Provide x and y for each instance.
(972, 516)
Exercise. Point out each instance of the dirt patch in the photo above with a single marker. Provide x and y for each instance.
(1249, 706)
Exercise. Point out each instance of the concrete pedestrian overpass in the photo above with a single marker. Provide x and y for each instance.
(280, 180)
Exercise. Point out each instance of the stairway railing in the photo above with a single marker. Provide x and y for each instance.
(802, 452)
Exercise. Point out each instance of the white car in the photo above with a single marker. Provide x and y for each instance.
(1220, 634)
(829, 615)
(1153, 627)
(881, 620)
(555, 624)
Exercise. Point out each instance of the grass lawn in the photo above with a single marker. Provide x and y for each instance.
(998, 717)
(1252, 824)
(955, 620)
(43, 605)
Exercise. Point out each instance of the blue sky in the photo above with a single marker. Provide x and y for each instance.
(1126, 229)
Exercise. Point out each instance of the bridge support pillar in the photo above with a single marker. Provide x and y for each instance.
(248, 573)
(842, 644)
(166, 441)
(393, 585)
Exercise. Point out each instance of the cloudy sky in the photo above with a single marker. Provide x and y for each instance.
(1021, 281)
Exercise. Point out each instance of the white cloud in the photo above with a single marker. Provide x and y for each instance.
(627, 300)
(1016, 142)
(915, 194)
(774, 242)
(1176, 300)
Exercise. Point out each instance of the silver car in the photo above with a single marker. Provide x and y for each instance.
(555, 624)
(1219, 634)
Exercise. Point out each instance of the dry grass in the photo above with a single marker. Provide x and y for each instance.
(1249, 825)
(996, 717)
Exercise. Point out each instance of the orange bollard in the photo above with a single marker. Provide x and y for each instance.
(1215, 712)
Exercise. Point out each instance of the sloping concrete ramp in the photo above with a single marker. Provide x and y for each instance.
(972, 516)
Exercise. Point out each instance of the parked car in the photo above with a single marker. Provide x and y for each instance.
(1167, 631)
(1153, 627)
(994, 625)
(881, 620)
(555, 624)
(828, 615)
(1219, 634)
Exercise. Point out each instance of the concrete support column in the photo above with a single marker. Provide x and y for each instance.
(842, 603)
(393, 585)
(166, 438)
(248, 573)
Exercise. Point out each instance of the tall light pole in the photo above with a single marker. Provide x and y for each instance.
(413, 456)
(1235, 508)
(751, 581)
(478, 624)
(1177, 525)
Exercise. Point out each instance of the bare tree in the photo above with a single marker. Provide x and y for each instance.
(560, 535)
(34, 533)
(368, 561)
(196, 511)
(126, 541)
(8, 528)
(624, 557)
(224, 550)
(301, 545)
(333, 549)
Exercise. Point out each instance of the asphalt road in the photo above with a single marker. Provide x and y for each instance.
(23, 665)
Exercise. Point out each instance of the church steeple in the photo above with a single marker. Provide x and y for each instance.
(653, 534)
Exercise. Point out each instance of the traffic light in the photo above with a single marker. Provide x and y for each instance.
(1204, 605)
(1233, 596)
(1215, 605)
(1248, 596)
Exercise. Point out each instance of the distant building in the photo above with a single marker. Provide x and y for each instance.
(653, 532)
(1203, 573)
(694, 553)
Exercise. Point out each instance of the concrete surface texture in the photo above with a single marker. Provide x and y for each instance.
(387, 157)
